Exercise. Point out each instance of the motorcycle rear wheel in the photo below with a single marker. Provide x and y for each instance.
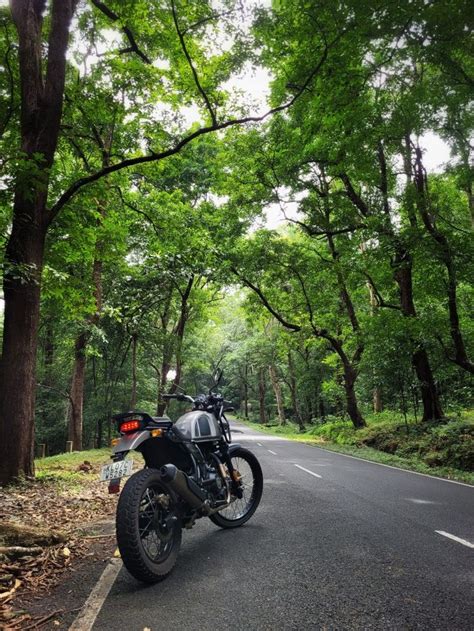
(242, 509)
(148, 530)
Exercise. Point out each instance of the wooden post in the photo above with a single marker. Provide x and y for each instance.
(42, 450)
(69, 446)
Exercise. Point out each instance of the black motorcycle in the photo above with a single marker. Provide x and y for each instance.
(192, 470)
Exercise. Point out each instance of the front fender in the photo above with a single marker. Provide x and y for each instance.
(131, 441)
(234, 447)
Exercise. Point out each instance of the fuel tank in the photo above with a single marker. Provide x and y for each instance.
(199, 426)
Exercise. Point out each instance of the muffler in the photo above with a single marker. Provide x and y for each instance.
(185, 487)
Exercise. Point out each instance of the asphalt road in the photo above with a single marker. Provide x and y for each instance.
(355, 548)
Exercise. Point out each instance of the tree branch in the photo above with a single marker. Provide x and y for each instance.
(380, 301)
(308, 303)
(191, 65)
(154, 157)
(354, 196)
(138, 211)
(266, 304)
(317, 232)
(209, 18)
(133, 48)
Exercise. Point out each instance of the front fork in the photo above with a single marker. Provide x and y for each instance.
(235, 484)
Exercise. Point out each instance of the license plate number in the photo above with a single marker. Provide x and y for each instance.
(116, 470)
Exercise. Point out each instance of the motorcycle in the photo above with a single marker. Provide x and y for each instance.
(192, 470)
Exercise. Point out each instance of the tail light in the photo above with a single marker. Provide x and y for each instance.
(130, 426)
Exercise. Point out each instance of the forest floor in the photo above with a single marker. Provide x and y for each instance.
(444, 449)
(49, 528)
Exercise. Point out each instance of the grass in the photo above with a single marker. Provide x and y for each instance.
(64, 468)
(445, 449)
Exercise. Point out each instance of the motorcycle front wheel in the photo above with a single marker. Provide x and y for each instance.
(148, 530)
(241, 509)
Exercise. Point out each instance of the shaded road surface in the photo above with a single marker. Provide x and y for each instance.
(355, 548)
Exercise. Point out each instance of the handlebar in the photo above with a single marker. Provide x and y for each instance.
(179, 397)
(186, 397)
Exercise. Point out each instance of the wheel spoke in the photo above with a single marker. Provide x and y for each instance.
(152, 524)
(241, 506)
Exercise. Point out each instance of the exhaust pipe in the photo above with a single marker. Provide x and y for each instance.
(185, 487)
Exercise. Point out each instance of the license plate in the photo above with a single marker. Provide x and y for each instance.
(116, 470)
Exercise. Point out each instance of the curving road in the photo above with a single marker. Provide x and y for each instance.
(337, 543)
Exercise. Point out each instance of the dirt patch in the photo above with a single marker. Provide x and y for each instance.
(51, 535)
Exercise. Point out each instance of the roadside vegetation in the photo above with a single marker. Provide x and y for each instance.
(445, 449)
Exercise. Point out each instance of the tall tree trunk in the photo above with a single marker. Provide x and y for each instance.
(100, 429)
(162, 380)
(246, 399)
(377, 400)
(245, 391)
(460, 354)
(352, 407)
(49, 349)
(75, 416)
(402, 265)
(41, 110)
(294, 397)
(133, 396)
(377, 391)
(278, 396)
(178, 335)
(350, 376)
(76, 408)
(350, 366)
(20, 334)
(261, 396)
(432, 409)
(322, 409)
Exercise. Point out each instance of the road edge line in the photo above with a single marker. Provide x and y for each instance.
(390, 466)
(87, 616)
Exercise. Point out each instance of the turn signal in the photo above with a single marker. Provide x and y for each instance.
(114, 441)
(156, 433)
(129, 426)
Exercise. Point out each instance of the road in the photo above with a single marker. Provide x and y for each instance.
(337, 543)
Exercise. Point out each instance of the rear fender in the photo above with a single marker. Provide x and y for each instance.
(130, 441)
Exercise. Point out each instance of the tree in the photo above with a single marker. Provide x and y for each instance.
(38, 178)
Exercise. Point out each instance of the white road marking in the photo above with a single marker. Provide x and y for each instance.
(380, 464)
(272, 452)
(90, 610)
(260, 444)
(468, 544)
(417, 501)
(316, 475)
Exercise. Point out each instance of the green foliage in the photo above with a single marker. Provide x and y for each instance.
(372, 82)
